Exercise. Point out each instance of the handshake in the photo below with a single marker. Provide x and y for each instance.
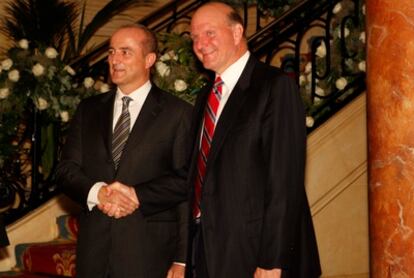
(117, 200)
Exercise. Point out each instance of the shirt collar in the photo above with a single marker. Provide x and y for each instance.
(232, 74)
(138, 95)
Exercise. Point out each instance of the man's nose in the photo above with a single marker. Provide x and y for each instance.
(200, 43)
(114, 57)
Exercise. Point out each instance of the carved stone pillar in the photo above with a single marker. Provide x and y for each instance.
(390, 106)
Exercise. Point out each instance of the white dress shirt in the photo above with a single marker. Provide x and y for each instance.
(230, 77)
(138, 98)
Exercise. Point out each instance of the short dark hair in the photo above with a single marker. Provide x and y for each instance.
(150, 44)
(234, 17)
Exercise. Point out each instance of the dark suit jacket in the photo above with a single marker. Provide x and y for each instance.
(4, 240)
(145, 243)
(254, 206)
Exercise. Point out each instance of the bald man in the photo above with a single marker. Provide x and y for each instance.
(248, 162)
(125, 161)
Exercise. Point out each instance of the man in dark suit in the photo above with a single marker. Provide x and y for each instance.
(248, 163)
(132, 183)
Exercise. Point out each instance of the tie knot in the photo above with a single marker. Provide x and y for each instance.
(217, 85)
(218, 82)
(126, 101)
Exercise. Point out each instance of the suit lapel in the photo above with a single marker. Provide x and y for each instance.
(106, 119)
(231, 111)
(149, 111)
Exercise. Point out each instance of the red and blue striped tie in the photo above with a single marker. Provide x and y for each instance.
(209, 125)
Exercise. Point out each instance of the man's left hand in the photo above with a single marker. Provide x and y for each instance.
(176, 271)
(267, 273)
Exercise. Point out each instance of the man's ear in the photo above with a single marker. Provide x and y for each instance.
(238, 31)
(150, 59)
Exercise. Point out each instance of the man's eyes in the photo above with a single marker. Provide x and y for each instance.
(209, 34)
(123, 52)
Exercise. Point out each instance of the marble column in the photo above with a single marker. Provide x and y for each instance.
(390, 101)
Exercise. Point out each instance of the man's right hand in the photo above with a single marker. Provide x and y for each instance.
(117, 200)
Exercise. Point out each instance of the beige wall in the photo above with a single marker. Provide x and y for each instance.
(336, 181)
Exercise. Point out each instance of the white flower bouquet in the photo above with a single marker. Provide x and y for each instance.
(37, 82)
(177, 70)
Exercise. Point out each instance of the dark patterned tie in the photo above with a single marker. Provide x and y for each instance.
(209, 125)
(121, 132)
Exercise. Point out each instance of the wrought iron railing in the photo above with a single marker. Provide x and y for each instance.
(321, 41)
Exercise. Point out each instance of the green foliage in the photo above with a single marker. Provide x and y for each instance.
(40, 21)
(346, 49)
(57, 23)
(177, 70)
(36, 80)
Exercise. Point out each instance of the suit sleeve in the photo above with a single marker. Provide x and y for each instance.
(284, 145)
(69, 174)
(171, 188)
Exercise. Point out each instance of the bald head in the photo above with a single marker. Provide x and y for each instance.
(218, 36)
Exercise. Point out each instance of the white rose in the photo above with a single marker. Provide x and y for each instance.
(308, 67)
(7, 64)
(341, 83)
(168, 56)
(346, 32)
(319, 91)
(337, 8)
(14, 75)
(362, 66)
(23, 44)
(310, 121)
(321, 50)
(38, 70)
(162, 69)
(302, 79)
(180, 85)
(51, 53)
(173, 55)
(4, 93)
(41, 103)
(104, 88)
(69, 70)
(88, 82)
(165, 57)
(64, 115)
(362, 37)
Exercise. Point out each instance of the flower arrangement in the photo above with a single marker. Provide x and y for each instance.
(177, 70)
(347, 60)
(36, 81)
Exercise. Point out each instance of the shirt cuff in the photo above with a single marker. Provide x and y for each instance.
(182, 264)
(92, 200)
